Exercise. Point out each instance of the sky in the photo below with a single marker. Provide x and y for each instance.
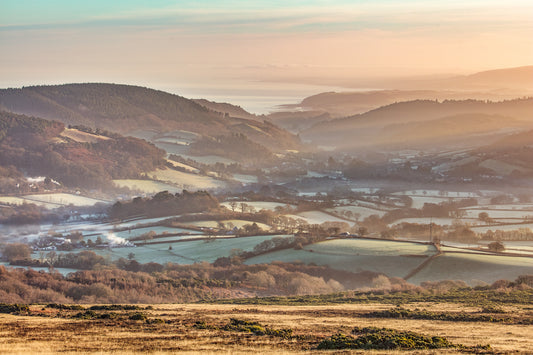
(238, 49)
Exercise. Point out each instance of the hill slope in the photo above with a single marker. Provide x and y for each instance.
(123, 108)
(39, 147)
(374, 127)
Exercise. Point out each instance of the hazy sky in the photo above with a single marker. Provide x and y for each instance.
(227, 45)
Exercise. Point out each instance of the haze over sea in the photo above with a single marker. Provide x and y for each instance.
(258, 97)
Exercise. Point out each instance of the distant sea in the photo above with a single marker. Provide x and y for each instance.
(255, 97)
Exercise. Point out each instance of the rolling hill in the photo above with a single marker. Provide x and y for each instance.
(124, 108)
(414, 123)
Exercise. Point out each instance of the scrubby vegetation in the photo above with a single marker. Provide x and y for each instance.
(172, 282)
(403, 313)
(240, 325)
(383, 339)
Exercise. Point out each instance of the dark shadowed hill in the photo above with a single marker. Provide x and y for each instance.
(124, 108)
(422, 119)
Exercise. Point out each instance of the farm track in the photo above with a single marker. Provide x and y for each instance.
(424, 263)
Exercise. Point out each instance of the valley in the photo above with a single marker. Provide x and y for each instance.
(135, 180)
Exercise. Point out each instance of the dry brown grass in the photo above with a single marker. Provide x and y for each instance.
(55, 331)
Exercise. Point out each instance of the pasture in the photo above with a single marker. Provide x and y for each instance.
(474, 269)
(395, 259)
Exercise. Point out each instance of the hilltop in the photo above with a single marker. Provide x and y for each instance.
(124, 108)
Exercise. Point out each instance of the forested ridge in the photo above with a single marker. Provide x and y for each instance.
(33, 146)
(125, 108)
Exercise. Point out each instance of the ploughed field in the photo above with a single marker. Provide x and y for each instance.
(231, 328)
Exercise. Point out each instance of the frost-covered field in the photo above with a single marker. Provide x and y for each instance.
(317, 217)
(140, 222)
(474, 269)
(499, 213)
(356, 255)
(147, 186)
(64, 199)
(183, 166)
(51, 200)
(371, 247)
(18, 201)
(185, 180)
(245, 179)
(188, 252)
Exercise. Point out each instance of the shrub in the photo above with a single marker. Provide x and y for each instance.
(256, 328)
(383, 339)
(14, 308)
(138, 316)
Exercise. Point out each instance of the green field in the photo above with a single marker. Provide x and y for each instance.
(188, 252)
(474, 269)
(391, 258)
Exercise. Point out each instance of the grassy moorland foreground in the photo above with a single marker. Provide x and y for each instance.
(486, 322)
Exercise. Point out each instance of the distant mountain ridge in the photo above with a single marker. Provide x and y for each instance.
(494, 85)
(125, 108)
(368, 129)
